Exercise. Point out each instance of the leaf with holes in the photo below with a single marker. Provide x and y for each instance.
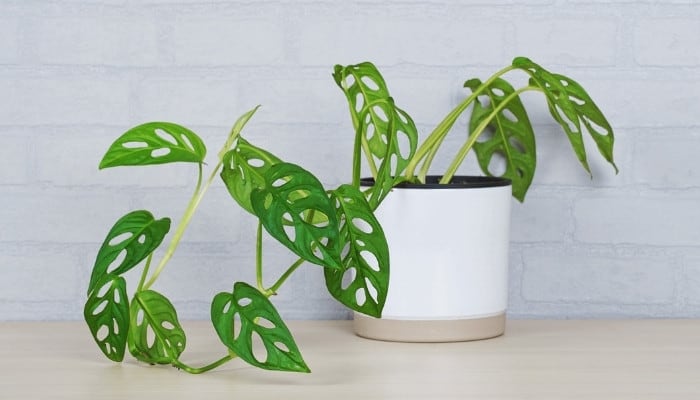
(387, 176)
(365, 255)
(132, 238)
(572, 107)
(155, 143)
(513, 137)
(240, 316)
(107, 315)
(236, 131)
(291, 194)
(244, 170)
(156, 336)
(387, 133)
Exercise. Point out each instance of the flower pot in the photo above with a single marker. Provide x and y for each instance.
(449, 261)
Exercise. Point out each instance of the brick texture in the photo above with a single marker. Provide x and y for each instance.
(74, 76)
(667, 42)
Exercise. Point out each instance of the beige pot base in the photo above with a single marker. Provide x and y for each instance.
(429, 331)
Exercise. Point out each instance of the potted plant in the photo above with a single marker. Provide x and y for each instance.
(335, 229)
(448, 234)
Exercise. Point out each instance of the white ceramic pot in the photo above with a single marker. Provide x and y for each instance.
(449, 261)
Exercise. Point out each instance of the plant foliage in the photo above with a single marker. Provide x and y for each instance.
(496, 107)
(289, 202)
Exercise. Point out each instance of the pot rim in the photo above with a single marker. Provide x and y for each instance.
(458, 182)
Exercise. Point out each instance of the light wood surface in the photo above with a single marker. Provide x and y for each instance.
(617, 360)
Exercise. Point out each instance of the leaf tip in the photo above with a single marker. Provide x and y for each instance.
(520, 60)
(103, 164)
(617, 170)
(337, 74)
(472, 83)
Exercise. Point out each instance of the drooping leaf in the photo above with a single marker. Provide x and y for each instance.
(387, 175)
(156, 336)
(291, 194)
(513, 137)
(236, 130)
(244, 169)
(387, 132)
(571, 107)
(365, 255)
(155, 143)
(132, 238)
(107, 315)
(246, 312)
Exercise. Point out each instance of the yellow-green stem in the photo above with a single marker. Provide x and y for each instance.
(184, 222)
(273, 289)
(208, 367)
(144, 273)
(357, 160)
(432, 143)
(359, 138)
(462, 153)
(258, 258)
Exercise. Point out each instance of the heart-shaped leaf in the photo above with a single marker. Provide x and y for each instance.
(293, 194)
(107, 315)
(365, 255)
(387, 132)
(132, 238)
(156, 336)
(246, 312)
(244, 170)
(513, 137)
(155, 143)
(571, 107)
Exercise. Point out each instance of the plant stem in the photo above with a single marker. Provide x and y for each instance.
(144, 273)
(357, 160)
(208, 367)
(360, 141)
(179, 232)
(370, 160)
(432, 143)
(258, 258)
(273, 289)
(462, 153)
(192, 206)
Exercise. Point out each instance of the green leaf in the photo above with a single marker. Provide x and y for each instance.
(155, 143)
(572, 107)
(389, 132)
(107, 315)
(244, 169)
(513, 137)
(365, 255)
(236, 130)
(132, 238)
(156, 336)
(291, 194)
(388, 174)
(246, 312)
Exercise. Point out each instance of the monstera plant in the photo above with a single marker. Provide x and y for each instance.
(388, 137)
(334, 229)
(447, 233)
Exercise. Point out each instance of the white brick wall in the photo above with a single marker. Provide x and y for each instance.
(75, 75)
(121, 41)
(667, 42)
(567, 41)
(63, 100)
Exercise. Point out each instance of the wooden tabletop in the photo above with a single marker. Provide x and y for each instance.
(635, 359)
